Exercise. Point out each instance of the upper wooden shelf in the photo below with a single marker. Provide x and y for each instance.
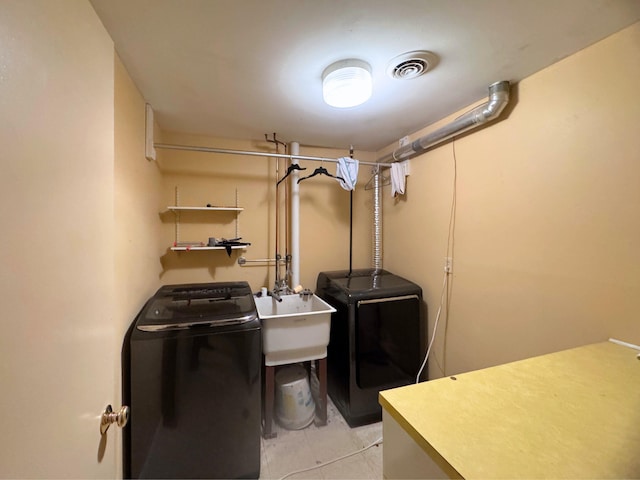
(228, 209)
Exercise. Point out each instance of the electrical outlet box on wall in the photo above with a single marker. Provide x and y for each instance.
(448, 264)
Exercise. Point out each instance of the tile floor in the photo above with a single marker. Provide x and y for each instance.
(293, 450)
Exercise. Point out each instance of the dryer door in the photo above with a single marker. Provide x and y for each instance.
(387, 341)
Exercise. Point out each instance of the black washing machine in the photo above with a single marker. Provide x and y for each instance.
(375, 340)
(192, 378)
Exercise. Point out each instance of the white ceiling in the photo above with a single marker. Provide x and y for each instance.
(243, 68)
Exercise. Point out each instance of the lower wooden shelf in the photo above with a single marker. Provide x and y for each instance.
(189, 249)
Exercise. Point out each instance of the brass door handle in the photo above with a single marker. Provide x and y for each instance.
(109, 416)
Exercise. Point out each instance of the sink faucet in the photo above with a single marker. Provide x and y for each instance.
(280, 288)
(275, 295)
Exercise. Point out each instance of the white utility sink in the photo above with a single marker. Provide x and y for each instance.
(295, 329)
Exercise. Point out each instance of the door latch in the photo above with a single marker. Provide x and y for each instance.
(109, 416)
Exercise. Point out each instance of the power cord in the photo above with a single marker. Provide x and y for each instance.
(447, 268)
(435, 326)
(329, 462)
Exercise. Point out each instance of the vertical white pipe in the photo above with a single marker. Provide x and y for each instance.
(294, 149)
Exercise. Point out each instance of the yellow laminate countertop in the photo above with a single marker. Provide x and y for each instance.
(570, 414)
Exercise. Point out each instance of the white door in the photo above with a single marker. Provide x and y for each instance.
(58, 346)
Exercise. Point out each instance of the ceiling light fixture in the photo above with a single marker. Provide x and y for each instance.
(347, 83)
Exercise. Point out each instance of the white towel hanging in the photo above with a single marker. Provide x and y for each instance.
(347, 168)
(397, 179)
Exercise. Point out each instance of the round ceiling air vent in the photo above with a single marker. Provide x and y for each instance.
(411, 64)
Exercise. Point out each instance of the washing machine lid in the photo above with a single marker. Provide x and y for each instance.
(366, 283)
(198, 305)
(204, 290)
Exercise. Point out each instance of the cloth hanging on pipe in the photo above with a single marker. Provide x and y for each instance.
(347, 169)
(397, 179)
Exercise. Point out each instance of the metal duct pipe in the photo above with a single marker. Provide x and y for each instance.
(498, 99)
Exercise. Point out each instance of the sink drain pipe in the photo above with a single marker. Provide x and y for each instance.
(294, 149)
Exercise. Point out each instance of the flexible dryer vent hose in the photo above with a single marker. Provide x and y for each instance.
(377, 222)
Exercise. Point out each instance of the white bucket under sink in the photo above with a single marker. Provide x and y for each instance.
(295, 329)
(295, 408)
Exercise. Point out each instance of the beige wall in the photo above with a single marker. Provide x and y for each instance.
(137, 183)
(204, 178)
(546, 234)
(137, 194)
